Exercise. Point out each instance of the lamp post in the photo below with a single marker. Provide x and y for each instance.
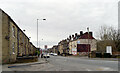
(37, 29)
(88, 40)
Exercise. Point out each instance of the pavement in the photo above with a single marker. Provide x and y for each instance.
(7, 67)
(86, 57)
(60, 63)
(25, 64)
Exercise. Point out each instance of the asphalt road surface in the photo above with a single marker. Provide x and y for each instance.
(80, 64)
(59, 63)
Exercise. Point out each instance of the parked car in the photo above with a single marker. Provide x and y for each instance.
(46, 55)
(54, 54)
(51, 53)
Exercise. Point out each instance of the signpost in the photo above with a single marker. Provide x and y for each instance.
(109, 49)
(46, 51)
(74, 51)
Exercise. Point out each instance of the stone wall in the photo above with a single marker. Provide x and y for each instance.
(60, 48)
(92, 42)
(5, 38)
(13, 42)
(0, 36)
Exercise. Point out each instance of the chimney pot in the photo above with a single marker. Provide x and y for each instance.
(91, 33)
(72, 36)
(75, 34)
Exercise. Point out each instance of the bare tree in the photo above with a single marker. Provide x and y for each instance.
(109, 36)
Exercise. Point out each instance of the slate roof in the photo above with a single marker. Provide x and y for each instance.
(85, 36)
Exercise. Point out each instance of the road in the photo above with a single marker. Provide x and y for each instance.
(59, 63)
(80, 64)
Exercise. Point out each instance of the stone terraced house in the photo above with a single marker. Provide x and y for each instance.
(13, 41)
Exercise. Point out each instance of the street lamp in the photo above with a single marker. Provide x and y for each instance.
(24, 30)
(37, 29)
(88, 40)
(29, 37)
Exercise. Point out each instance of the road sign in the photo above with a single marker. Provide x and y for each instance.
(109, 49)
(74, 51)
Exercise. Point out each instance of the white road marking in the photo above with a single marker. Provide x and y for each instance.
(88, 69)
(107, 69)
(104, 69)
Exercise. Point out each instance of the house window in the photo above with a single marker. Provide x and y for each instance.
(13, 48)
(13, 31)
(23, 38)
(74, 45)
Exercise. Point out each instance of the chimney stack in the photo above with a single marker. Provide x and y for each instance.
(75, 34)
(70, 37)
(81, 33)
(91, 33)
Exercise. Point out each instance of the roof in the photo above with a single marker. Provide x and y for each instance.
(16, 25)
(86, 36)
(14, 22)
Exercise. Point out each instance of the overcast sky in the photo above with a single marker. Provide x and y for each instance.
(64, 17)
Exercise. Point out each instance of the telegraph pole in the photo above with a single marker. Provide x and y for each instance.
(88, 41)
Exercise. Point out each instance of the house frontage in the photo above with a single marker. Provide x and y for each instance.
(13, 41)
(82, 44)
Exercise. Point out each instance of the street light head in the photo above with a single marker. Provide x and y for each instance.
(87, 28)
(41, 19)
(24, 30)
(44, 19)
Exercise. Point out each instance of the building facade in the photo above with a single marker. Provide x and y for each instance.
(55, 49)
(0, 36)
(63, 47)
(15, 43)
(83, 45)
(78, 44)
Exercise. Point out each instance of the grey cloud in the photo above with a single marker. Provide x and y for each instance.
(64, 17)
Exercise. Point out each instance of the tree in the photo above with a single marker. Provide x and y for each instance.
(109, 36)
